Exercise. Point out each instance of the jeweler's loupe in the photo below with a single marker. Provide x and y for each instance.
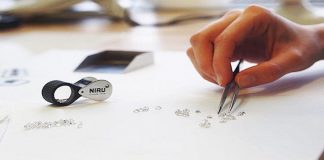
(89, 87)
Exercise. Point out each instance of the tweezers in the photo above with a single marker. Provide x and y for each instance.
(232, 86)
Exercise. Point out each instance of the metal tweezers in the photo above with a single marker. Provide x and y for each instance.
(232, 86)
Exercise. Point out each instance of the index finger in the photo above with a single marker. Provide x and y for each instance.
(202, 43)
(250, 22)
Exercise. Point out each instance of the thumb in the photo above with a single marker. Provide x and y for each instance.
(260, 74)
(269, 71)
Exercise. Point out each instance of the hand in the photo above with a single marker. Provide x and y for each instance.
(277, 45)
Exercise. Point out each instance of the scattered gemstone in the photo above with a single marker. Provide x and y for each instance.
(158, 108)
(183, 113)
(241, 114)
(45, 125)
(205, 124)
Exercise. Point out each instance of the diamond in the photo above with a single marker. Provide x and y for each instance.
(158, 108)
(241, 114)
(209, 117)
(205, 124)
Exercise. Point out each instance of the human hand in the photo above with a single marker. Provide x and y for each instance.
(277, 45)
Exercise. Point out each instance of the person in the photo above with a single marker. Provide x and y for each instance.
(255, 34)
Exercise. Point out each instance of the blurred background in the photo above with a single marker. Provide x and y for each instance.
(301, 11)
(41, 25)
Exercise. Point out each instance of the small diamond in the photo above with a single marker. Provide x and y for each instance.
(57, 124)
(183, 113)
(145, 109)
(38, 124)
(50, 124)
(241, 114)
(27, 126)
(186, 112)
(80, 125)
(229, 117)
(32, 125)
(205, 124)
(178, 112)
(72, 122)
(45, 125)
(226, 117)
(158, 108)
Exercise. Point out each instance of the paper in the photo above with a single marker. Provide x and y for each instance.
(4, 122)
(12, 55)
(284, 119)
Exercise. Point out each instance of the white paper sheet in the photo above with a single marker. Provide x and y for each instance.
(284, 120)
(4, 122)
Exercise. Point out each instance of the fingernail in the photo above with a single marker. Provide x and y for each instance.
(219, 80)
(215, 79)
(246, 80)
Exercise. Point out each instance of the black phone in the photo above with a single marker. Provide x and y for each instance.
(8, 22)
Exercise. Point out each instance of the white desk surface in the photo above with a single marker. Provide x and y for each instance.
(284, 119)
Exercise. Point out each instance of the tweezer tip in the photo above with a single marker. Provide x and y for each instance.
(220, 107)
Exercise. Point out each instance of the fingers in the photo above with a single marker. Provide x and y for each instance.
(203, 47)
(269, 71)
(203, 53)
(214, 29)
(248, 23)
(194, 62)
(213, 48)
(260, 74)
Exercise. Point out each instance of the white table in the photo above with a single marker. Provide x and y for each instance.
(284, 119)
